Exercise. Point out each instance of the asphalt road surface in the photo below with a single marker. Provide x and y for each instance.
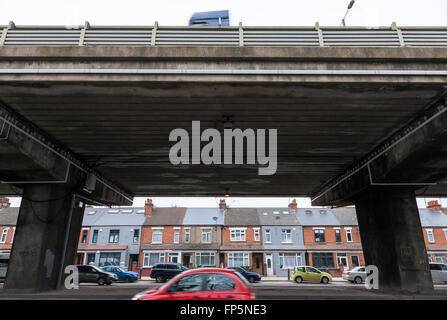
(263, 290)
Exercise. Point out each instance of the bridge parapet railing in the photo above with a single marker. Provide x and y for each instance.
(156, 35)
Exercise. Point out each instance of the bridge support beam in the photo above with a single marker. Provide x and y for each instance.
(392, 239)
(46, 238)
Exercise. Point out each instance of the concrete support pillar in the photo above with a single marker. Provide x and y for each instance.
(392, 239)
(46, 238)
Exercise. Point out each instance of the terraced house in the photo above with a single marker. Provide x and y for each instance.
(434, 224)
(8, 220)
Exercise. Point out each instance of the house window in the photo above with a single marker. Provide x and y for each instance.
(95, 236)
(323, 260)
(256, 234)
(238, 260)
(342, 260)
(319, 235)
(84, 237)
(205, 259)
(157, 235)
(445, 233)
(430, 235)
(4, 234)
(355, 261)
(151, 258)
(136, 235)
(176, 235)
(114, 236)
(286, 236)
(237, 234)
(289, 260)
(174, 257)
(206, 235)
(348, 235)
(337, 235)
(268, 236)
(109, 259)
(187, 235)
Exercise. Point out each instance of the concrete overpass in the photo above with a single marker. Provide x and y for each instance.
(360, 114)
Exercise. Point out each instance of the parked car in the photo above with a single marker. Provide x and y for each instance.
(438, 272)
(4, 261)
(202, 284)
(210, 18)
(250, 276)
(306, 273)
(355, 275)
(93, 274)
(123, 275)
(164, 271)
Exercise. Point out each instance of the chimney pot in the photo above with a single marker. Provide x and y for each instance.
(293, 205)
(434, 204)
(148, 205)
(222, 204)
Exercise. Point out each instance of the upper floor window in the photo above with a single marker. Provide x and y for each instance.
(348, 234)
(187, 235)
(84, 237)
(337, 235)
(176, 235)
(95, 236)
(430, 236)
(206, 235)
(256, 234)
(157, 235)
(3, 236)
(268, 236)
(319, 235)
(286, 236)
(114, 236)
(237, 234)
(445, 233)
(136, 235)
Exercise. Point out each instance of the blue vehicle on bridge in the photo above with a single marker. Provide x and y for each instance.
(210, 18)
(123, 275)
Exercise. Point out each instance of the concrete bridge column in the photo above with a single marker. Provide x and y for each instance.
(392, 239)
(46, 237)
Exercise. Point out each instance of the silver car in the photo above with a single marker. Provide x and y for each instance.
(438, 272)
(356, 275)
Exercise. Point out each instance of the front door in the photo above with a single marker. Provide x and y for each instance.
(269, 262)
(257, 263)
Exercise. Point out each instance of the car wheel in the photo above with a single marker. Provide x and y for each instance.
(358, 280)
(298, 279)
(325, 280)
(101, 281)
(108, 283)
(159, 279)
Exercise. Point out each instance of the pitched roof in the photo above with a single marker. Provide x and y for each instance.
(242, 217)
(166, 217)
(113, 217)
(432, 218)
(8, 216)
(346, 216)
(317, 217)
(277, 217)
(203, 216)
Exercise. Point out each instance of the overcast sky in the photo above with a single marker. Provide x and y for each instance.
(251, 13)
(259, 12)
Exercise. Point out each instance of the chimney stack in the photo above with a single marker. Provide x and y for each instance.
(434, 205)
(148, 205)
(293, 205)
(4, 202)
(222, 204)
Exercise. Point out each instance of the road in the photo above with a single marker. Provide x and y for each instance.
(264, 290)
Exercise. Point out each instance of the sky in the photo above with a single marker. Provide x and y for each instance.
(250, 13)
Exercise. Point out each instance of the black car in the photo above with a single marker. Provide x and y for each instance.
(93, 274)
(164, 271)
(250, 276)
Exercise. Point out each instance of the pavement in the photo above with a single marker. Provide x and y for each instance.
(265, 290)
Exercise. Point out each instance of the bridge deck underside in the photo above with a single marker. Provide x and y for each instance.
(122, 129)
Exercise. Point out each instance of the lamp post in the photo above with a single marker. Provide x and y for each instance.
(349, 7)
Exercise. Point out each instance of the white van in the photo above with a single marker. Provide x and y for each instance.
(438, 272)
(4, 260)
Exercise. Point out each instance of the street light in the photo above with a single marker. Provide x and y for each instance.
(349, 7)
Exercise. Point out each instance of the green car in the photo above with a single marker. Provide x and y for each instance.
(306, 273)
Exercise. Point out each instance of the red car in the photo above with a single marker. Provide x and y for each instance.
(202, 284)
